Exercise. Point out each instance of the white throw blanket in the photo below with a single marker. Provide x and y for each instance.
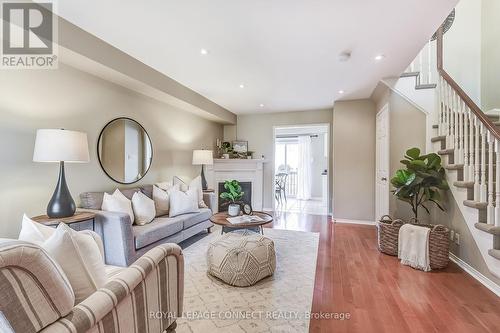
(413, 246)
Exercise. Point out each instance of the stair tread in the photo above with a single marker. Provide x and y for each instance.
(438, 138)
(454, 166)
(446, 151)
(494, 253)
(408, 74)
(426, 86)
(464, 184)
(475, 204)
(489, 228)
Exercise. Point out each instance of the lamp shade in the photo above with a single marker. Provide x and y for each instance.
(203, 157)
(56, 145)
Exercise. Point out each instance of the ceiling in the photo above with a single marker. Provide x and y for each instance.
(284, 52)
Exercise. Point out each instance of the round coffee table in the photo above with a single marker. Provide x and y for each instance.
(221, 219)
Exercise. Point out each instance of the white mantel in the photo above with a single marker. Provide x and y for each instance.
(242, 170)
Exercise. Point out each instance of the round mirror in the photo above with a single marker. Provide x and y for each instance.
(125, 151)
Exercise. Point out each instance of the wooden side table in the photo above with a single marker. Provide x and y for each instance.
(221, 219)
(79, 217)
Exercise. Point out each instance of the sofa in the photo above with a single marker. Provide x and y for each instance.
(124, 242)
(37, 297)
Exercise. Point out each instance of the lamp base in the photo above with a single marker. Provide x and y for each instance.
(61, 204)
(204, 185)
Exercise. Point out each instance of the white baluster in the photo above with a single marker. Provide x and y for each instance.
(452, 118)
(421, 66)
(483, 187)
(460, 130)
(497, 183)
(456, 127)
(442, 119)
(466, 144)
(476, 160)
(471, 146)
(490, 215)
(429, 57)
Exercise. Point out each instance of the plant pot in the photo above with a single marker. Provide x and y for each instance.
(225, 156)
(233, 210)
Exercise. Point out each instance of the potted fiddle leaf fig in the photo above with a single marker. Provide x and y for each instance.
(421, 181)
(232, 196)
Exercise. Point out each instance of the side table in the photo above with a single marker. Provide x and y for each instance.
(79, 217)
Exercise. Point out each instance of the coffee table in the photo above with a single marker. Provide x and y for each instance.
(221, 219)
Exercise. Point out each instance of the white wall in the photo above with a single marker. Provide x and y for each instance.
(490, 60)
(257, 129)
(354, 160)
(462, 48)
(69, 98)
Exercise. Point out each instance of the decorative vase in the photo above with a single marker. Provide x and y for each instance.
(233, 210)
(225, 156)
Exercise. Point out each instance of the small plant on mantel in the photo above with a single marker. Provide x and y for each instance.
(421, 182)
(232, 196)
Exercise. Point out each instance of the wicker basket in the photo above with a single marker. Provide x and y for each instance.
(439, 241)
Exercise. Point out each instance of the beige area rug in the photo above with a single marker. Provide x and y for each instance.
(280, 303)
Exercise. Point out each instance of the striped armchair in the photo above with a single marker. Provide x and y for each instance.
(36, 297)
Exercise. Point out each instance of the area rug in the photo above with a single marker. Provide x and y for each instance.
(280, 303)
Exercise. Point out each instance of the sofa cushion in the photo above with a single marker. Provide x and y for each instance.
(195, 218)
(159, 228)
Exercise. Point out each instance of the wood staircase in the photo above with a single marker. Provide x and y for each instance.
(468, 142)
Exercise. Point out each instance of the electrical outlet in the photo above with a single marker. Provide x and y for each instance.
(457, 238)
(452, 235)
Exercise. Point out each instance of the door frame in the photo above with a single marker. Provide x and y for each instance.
(329, 161)
(383, 109)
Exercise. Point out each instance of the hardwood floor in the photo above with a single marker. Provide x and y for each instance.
(380, 294)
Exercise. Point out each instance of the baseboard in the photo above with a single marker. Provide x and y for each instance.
(365, 222)
(476, 275)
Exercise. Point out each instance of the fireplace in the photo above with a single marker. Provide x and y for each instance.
(246, 188)
(248, 172)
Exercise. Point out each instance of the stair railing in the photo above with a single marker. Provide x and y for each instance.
(473, 138)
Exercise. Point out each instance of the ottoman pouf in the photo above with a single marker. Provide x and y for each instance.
(241, 258)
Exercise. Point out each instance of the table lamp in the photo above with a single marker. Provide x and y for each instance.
(203, 157)
(60, 145)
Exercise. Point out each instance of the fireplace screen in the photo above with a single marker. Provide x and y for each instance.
(246, 187)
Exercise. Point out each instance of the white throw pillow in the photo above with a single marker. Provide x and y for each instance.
(144, 208)
(194, 184)
(79, 257)
(165, 186)
(117, 202)
(34, 232)
(183, 202)
(162, 199)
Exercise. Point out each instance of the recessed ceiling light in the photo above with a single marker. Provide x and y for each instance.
(261, 105)
(242, 85)
(341, 91)
(204, 51)
(379, 57)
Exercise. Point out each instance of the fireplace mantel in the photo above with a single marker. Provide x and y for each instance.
(242, 170)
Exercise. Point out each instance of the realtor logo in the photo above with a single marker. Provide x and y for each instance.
(28, 35)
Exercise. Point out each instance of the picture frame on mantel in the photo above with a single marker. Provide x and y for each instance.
(240, 146)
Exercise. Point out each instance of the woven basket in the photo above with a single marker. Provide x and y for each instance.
(439, 241)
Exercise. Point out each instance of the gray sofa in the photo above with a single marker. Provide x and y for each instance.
(124, 242)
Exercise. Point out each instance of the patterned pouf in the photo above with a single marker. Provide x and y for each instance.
(241, 258)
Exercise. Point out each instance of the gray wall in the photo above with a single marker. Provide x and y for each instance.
(71, 99)
(354, 160)
(257, 129)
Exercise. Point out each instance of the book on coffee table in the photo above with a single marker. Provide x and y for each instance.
(244, 219)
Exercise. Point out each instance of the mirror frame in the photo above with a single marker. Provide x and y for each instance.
(99, 155)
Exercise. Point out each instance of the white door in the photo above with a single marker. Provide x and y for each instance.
(382, 164)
